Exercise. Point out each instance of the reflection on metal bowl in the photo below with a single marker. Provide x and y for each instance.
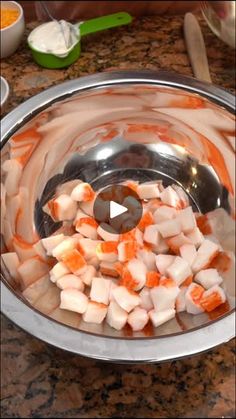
(104, 129)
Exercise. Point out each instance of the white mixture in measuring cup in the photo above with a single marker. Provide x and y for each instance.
(49, 37)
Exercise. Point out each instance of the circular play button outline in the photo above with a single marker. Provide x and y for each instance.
(118, 209)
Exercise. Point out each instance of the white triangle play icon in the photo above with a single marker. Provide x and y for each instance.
(116, 209)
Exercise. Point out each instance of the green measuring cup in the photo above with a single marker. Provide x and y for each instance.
(90, 26)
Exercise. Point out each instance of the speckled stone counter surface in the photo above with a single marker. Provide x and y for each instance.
(41, 381)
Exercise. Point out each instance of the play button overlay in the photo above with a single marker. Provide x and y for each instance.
(117, 209)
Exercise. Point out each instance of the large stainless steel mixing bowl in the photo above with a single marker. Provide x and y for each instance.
(84, 123)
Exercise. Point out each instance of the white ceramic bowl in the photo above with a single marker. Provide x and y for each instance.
(11, 35)
(4, 92)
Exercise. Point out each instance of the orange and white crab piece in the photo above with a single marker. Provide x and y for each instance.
(58, 270)
(100, 290)
(73, 300)
(87, 247)
(126, 251)
(164, 295)
(95, 312)
(208, 278)
(74, 261)
(146, 301)
(83, 192)
(184, 199)
(49, 243)
(87, 226)
(116, 316)
(153, 279)
(180, 303)
(107, 233)
(179, 270)
(64, 246)
(161, 317)
(107, 251)
(170, 197)
(193, 297)
(70, 281)
(151, 234)
(62, 208)
(164, 213)
(176, 242)
(138, 319)
(187, 219)
(205, 254)
(148, 190)
(88, 275)
(188, 252)
(196, 237)
(108, 269)
(138, 271)
(212, 298)
(146, 220)
(169, 228)
(163, 262)
(148, 258)
(126, 299)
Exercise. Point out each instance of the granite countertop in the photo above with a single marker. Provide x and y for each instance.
(41, 381)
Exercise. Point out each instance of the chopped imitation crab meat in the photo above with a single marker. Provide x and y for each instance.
(208, 278)
(83, 192)
(73, 300)
(125, 298)
(212, 298)
(95, 312)
(137, 319)
(116, 316)
(168, 263)
(205, 254)
(70, 281)
(160, 317)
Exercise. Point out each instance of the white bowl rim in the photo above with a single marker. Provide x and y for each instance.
(3, 80)
(19, 17)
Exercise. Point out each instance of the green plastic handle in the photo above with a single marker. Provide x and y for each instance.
(104, 22)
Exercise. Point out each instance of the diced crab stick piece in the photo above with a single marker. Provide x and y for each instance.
(49, 243)
(62, 208)
(87, 208)
(138, 235)
(13, 170)
(88, 275)
(127, 280)
(164, 213)
(107, 251)
(112, 287)
(40, 250)
(11, 263)
(126, 251)
(34, 291)
(180, 303)
(94, 261)
(95, 313)
(151, 234)
(179, 270)
(67, 187)
(212, 298)
(79, 214)
(87, 226)
(205, 254)
(83, 193)
(116, 316)
(163, 262)
(169, 228)
(74, 261)
(31, 270)
(148, 257)
(176, 242)
(184, 199)
(208, 278)
(170, 197)
(161, 246)
(58, 270)
(196, 237)
(153, 279)
(73, 300)
(146, 301)
(107, 233)
(88, 247)
(70, 281)
(186, 219)
(126, 299)
(138, 271)
(100, 290)
(137, 319)
(161, 317)
(68, 244)
(146, 220)
(192, 298)
(188, 252)
(148, 190)
(164, 296)
(108, 269)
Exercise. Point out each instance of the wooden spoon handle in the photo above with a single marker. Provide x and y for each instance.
(196, 48)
